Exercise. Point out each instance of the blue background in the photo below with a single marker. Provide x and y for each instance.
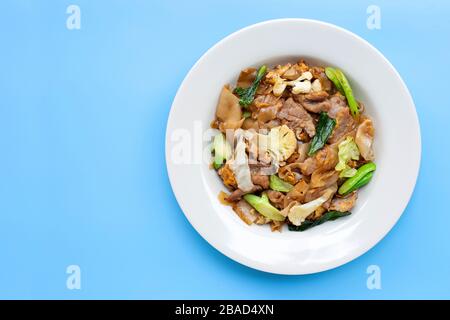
(82, 170)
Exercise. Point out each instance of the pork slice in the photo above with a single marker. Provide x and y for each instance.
(316, 107)
(314, 102)
(344, 125)
(260, 180)
(297, 116)
(316, 96)
(264, 168)
(337, 102)
(276, 198)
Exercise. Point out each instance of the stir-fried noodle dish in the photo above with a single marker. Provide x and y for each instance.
(293, 147)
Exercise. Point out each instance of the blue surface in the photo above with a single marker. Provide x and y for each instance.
(82, 169)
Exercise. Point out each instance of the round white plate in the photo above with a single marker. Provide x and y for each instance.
(397, 147)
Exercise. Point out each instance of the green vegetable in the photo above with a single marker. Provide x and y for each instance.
(329, 216)
(324, 129)
(248, 94)
(246, 114)
(348, 92)
(331, 74)
(263, 206)
(342, 84)
(278, 184)
(361, 183)
(362, 177)
(348, 150)
(222, 150)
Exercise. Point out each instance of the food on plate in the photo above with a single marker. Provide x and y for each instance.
(293, 146)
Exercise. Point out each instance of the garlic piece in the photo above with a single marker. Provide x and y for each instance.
(302, 87)
(305, 76)
(316, 86)
(279, 87)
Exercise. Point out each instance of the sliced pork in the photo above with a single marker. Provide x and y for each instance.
(296, 116)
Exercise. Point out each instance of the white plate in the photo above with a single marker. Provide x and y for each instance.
(397, 147)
